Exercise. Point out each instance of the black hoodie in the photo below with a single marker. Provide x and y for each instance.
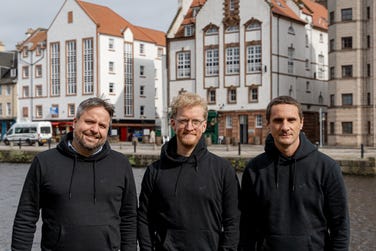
(189, 203)
(87, 203)
(293, 203)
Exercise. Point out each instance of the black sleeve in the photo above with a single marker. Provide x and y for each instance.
(27, 215)
(230, 211)
(145, 227)
(128, 213)
(249, 233)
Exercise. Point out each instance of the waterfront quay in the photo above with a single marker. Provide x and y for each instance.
(361, 194)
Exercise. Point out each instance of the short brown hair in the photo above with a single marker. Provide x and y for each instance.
(188, 99)
(95, 102)
(283, 100)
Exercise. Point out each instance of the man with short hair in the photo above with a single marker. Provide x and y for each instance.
(293, 197)
(85, 191)
(189, 198)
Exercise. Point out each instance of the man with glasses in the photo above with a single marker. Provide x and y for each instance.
(189, 198)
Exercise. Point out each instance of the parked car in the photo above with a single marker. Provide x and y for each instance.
(29, 133)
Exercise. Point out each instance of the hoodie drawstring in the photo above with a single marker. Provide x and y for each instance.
(292, 174)
(71, 179)
(94, 187)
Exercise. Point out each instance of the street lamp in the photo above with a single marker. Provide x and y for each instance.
(31, 64)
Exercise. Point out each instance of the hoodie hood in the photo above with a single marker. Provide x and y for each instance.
(170, 156)
(305, 149)
(64, 148)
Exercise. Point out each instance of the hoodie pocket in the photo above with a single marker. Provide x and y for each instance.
(288, 242)
(94, 237)
(201, 240)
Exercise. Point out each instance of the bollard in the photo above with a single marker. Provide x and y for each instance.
(134, 143)
(19, 143)
(239, 150)
(361, 151)
(49, 143)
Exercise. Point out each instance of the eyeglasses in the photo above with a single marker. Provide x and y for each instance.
(195, 122)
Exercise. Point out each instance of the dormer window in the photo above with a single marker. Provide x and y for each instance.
(188, 30)
(70, 17)
(195, 11)
(291, 30)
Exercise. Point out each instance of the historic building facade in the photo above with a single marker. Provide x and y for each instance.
(89, 50)
(241, 54)
(352, 59)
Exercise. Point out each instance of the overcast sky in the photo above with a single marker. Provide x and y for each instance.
(16, 16)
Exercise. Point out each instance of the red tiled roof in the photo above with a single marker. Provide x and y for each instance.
(319, 13)
(110, 23)
(280, 8)
(37, 36)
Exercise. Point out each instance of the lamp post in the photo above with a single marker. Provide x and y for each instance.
(31, 64)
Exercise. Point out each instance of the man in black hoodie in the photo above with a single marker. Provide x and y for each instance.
(189, 198)
(85, 191)
(293, 197)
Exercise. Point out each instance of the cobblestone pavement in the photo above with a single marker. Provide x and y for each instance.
(361, 193)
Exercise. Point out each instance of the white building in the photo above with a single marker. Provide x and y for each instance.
(92, 51)
(241, 54)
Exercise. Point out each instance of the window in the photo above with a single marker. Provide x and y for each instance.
(111, 67)
(347, 71)
(368, 12)
(9, 109)
(231, 95)
(228, 122)
(233, 28)
(110, 43)
(331, 130)
(55, 69)
(307, 64)
(254, 26)
(332, 100)
(38, 71)
(212, 30)
(331, 17)
(70, 17)
(128, 80)
(184, 64)
(347, 99)
(212, 62)
(71, 110)
(38, 91)
(160, 52)
(142, 110)
(258, 121)
(368, 70)
(142, 70)
(25, 71)
(346, 14)
(232, 60)
(1, 90)
(142, 90)
(111, 88)
(211, 96)
(368, 98)
(38, 111)
(188, 30)
(253, 94)
(346, 42)
(306, 41)
(88, 71)
(8, 90)
(253, 58)
(331, 45)
(321, 38)
(368, 41)
(142, 49)
(71, 67)
(25, 112)
(291, 30)
(347, 128)
(290, 60)
(25, 91)
(308, 88)
(321, 61)
(332, 73)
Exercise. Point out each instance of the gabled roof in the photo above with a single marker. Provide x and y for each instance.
(279, 7)
(110, 23)
(35, 37)
(318, 12)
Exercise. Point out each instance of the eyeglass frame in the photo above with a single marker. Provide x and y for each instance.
(196, 123)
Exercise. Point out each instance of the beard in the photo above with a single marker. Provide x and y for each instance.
(88, 142)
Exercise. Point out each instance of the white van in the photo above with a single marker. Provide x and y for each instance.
(29, 133)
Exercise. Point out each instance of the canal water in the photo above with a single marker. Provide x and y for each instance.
(361, 193)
